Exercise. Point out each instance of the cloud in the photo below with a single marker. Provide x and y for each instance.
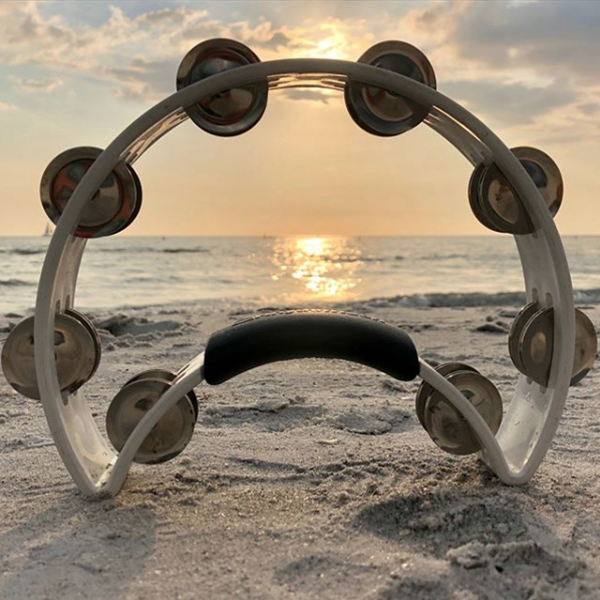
(4, 106)
(590, 108)
(525, 63)
(312, 95)
(510, 103)
(517, 62)
(558, 38)
(158, 40)
(47, 84)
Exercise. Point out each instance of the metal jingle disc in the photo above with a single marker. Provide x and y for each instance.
(112, 208)
(501, 205)
(379, 111)
(71, 312)
(76, 350)
(425, 389)
(586, 346)
(231, 112)
(516, 331)
(536, 344)
(170, 435)
(167, 376)
(475, 198)
(448, 428)
(545, 174)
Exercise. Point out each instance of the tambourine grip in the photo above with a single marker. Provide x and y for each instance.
(309, 334)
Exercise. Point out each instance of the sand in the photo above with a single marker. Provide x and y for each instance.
(306, 479)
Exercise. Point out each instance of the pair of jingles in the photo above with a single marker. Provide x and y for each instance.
(223, 87)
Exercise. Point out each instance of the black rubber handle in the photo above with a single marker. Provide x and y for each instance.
(309, 334)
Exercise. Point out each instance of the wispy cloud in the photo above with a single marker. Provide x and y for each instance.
(518, 63)
(47, 84)
(4, 106)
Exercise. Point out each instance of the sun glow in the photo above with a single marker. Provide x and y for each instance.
(324, 266)
(333, 45)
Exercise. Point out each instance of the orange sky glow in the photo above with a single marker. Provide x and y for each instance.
(72, 77)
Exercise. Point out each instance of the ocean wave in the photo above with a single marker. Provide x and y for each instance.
(23, 251)
(440, 257)
(139, 250)
(15, 282)
(468, 299)
(587, 296)
(183, 250)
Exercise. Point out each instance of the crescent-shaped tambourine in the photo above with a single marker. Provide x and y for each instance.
(223, 88)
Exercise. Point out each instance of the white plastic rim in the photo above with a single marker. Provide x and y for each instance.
(532, 417)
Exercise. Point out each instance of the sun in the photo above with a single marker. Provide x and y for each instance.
(333, 45)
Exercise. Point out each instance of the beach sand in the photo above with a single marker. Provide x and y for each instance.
(305, 479)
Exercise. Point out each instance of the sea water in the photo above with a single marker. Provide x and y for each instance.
(124, 272)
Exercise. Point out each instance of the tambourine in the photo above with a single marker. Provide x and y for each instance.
(223, 88)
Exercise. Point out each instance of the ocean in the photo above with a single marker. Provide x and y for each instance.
(123, 272)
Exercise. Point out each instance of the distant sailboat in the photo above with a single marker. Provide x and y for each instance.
(48, 231)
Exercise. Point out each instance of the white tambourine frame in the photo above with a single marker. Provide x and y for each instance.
(532, 417)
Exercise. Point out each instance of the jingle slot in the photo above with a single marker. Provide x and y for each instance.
(231, 112)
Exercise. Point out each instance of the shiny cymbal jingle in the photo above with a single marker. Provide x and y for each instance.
(233, 111)
(170, 435)
(531, 343)
(497, 205)
(425, 389)
(167, 376)
(77, 353)
(379, 111)
(113, 207)
(447, 427)
(586, 346)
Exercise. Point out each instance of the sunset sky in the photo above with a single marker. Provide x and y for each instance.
(76, 73)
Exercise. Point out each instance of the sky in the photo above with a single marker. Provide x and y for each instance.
(77, 73)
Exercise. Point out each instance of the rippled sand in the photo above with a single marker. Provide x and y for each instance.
(307, 479)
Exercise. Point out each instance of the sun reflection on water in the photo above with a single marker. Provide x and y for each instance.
(325, 267)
